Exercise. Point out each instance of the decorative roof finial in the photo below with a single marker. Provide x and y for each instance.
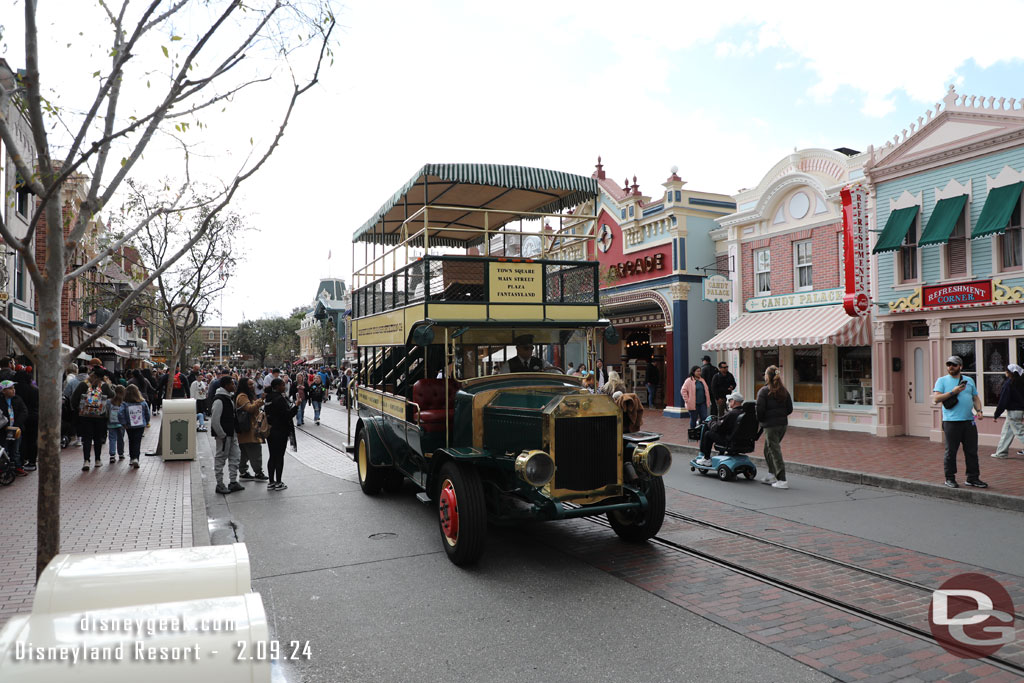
(599, 174)
(636, 188)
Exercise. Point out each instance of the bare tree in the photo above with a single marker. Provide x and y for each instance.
(196, 278)
(218, 61)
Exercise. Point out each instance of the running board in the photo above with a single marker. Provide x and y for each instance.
(423, 497)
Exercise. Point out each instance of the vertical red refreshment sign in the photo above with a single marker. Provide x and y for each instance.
(856, 302)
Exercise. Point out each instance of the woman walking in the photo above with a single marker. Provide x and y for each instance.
(298, 395)
(91, 399)
(28, 393)
(774, 404)
(1011, 399)
(279, 414)
(115, 430)
(696, 396)
(134, 415)
(248, 442)
(316, 397)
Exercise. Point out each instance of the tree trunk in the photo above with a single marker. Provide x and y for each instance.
(48, 376)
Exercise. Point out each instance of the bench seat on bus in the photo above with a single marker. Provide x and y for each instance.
(429, 395)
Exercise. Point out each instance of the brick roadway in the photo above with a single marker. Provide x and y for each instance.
(839, 644)
(109, 509)
(903, 457)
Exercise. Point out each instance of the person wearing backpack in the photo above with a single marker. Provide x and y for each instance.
(247, 410)
(316, 397)
(115, 430)
(91, 401)
(178, 390)
(134, 415)
(222, 423)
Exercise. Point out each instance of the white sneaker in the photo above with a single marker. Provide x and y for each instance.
(780, 485)
(704, 462)
(768, 479)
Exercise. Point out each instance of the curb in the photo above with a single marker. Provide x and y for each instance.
(962, 495)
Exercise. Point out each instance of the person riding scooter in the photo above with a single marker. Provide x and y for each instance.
(722, 429)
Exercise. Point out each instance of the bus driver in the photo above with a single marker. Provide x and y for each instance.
(524, 360)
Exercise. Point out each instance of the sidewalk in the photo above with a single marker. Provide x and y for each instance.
(905, 463)
(110, 509)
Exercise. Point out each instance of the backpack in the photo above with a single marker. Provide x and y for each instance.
(93, 403)
(262, 425)
(177, 380)
(136, 415)
(243, 420)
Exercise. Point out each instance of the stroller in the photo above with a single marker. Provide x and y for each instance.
(67, 422)
(6, 461)
(732, 457)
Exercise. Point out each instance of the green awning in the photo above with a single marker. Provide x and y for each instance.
(995, 215)
(492, 186)
(895, 230)
(943, 220)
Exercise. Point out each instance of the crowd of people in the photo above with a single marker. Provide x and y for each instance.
(111, 410)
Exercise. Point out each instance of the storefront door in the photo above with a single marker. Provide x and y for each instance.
(919, 389)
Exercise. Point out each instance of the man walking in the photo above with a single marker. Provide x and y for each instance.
(722, 384)
(707, 373)
(958, 396)
(222, 422)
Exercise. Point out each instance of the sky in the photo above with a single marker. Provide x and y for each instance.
(722, 90)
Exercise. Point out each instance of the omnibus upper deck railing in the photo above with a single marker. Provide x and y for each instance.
(415, 240)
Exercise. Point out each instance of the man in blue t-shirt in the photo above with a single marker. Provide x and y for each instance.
(959, 398)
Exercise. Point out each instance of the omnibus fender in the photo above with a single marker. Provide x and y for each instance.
(459, 455)
(372, 428)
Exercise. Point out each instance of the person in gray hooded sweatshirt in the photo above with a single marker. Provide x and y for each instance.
(222, 426)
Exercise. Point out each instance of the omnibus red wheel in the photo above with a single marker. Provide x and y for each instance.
(462, 513)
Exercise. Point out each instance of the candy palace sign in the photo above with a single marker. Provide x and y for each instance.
(821, 297)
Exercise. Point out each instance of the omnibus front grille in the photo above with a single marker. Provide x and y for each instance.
(586, 453)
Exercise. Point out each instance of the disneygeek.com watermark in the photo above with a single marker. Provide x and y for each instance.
(971, 616)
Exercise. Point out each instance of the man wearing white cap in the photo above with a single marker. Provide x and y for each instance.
(722, 429)
(1011, 399)
(959, 395)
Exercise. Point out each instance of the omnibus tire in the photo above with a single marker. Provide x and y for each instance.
(371, 478)
(636, 525)
(462, 513)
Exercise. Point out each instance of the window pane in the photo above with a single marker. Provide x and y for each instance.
(996, 358)
(965, 349)
(807, 375)
(762, 359)
(855, 375)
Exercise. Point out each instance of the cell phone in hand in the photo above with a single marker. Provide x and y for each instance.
(963, 382)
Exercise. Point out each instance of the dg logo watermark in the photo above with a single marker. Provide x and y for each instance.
(971, 616)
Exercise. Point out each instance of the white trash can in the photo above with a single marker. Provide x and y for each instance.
(178, 429)
(139, 577)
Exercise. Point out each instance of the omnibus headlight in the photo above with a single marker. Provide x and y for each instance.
(536, 468)
(652, 459)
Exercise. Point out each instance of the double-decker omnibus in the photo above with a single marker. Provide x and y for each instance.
(460, 342)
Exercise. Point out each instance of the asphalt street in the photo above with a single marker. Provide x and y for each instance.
(365, 581)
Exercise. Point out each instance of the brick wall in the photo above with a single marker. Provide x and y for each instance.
(70, 295)
(825, 270)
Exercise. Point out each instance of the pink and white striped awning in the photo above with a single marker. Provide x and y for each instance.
(793, 327)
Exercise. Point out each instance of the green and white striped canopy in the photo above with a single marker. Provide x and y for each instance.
(475, 186)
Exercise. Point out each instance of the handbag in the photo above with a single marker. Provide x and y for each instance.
(693, 433)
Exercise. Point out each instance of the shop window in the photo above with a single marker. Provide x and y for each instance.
(1010, 242)
(919, 331)
(762, 359)
(956, 248)
(908, 254)
(802, 263)
(996, 356)
(965, 349)
(762, 272)
(855, 375)
(807, 375)
(995, 325)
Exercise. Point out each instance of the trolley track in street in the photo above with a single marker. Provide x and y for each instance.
(771, 579)
(811, 594)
